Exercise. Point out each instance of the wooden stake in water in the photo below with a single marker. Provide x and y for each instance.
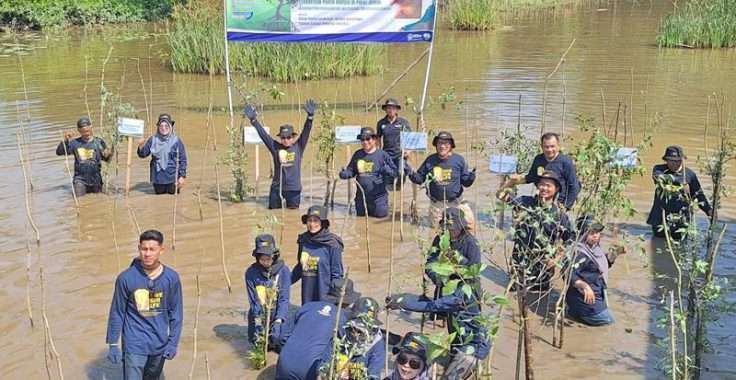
(28, 284)
(222, 228)
(47, 328)
(367, 230)
(69, 173)
(26, 190)
(196, 325)
(390, 272)
(128, 162)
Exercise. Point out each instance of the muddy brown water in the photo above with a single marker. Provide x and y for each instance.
(613, 55)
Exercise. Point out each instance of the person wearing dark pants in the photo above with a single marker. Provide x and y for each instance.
(168, 157)
(145, 313)
(389, 131)
(287, 156)
(371, 166)
(89, 152)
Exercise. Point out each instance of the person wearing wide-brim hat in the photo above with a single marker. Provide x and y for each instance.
(287, 154)
(410, 362)
(168, 168)
(675, 187)
(449, 174)
(89, 151)
(319, 256)
(461, 241)
(541, 227)
(370, 165)
(389, 130)
(267, 283)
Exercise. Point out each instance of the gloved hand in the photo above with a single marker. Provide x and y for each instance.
(276, 331)
(471, 175)
(114, 355)
(393, 303)
(169, 352)
(250, 112)
(309, 107)
(344, 174)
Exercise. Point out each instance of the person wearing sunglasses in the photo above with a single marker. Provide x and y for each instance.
(168, 157)
(411, 359)
(145, 313)
(287, 154)
(371, 166)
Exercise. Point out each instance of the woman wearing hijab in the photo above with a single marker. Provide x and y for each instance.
(168, 157)
(319, 256)
(411, 359)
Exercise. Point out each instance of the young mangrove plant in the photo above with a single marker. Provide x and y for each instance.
(326, 145)
(236, 159)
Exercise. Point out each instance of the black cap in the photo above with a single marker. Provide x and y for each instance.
(265, 245)
(366, 132)
(586, 224)
(83, 122)
(318, 211)
(674, 153)
(365, 308)
(350, 297)
(286, 130)
(549, 174)
(391, 102)
(443, 136)
(413, 344)
(454, 219)
(165, 117)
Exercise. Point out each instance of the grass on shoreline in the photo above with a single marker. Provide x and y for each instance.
(700, 24)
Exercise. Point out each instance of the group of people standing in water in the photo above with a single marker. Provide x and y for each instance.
(146, 311)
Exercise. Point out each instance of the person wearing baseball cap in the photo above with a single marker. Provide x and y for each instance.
(267, 282)
(410, 362)
(389, 130)
(370, 165)
(287, 154)
(675, 186)
(89, 151)
(448, 174)
(168, 168)
(319, 256)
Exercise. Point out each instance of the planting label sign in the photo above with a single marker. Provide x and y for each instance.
(376, 21)
(347, 134)
(130, 127)
(500, 164)
(250, 135)
(625, 158)
(416, 141)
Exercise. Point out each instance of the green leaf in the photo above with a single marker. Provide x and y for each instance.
(500, 300)
(445, 241)
(441, 268)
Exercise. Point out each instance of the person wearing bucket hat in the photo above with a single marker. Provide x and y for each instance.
(551, 159)
(319, 256)
(410, 362)
(541, 226)
(168, 168)
(389, 131)
(287, 154)
(89, 151)
(371, 166)
(675, 187)
(267, 283)
(461, 242)
(449, 174)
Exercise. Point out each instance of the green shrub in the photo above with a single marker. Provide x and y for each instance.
(197, 42)
(701, 24)
(471, 14)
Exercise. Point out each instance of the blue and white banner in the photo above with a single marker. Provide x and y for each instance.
(366, 21)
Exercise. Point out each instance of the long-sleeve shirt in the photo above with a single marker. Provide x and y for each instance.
(147, 312)
(449, 176)
(168, 175)
(317, 267)
(390, 134)
(88, 157)
(370, 170)
(466, 246)
(286, 159)
(372, 360)
(586, 269)
(677, 202)
(539, 227)
(258, 282)
(565, 168)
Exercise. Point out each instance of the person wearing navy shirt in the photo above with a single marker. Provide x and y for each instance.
(267, 283)
(411, 359)
(675, 187)
(89, 152)
(552, 160)
(319, 256)
(448, 174)
(168, 157)
(370, 165)
(287, 154)
(389, 131)
(308, 343)
(462, 242)
(146, 313)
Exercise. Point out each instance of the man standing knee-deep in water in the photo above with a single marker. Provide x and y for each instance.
(89, 151)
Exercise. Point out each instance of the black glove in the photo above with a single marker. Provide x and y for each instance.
(309, 107)
(344, 174)
(471, 175)
(393, 303)
(250, 112)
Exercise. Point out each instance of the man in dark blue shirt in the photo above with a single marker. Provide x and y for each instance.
(89, 152)
(287, 156)
(147, 308)
(553, 160)
(389, 131)
(371, 165)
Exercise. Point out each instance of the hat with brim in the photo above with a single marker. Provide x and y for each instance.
(265, 245)
(350, 297)
(83, 122)
(391, 103)
(454, 219)
(446, 136)
(366, 308)
(318, 211)
(551, 175)
(366, 132)
(164, 117)
(286, 130)
(674, 153)
(411, 343)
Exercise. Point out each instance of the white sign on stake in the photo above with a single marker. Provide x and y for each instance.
(130, 127)
(501, 164)
(250, 135)
(414, 141)
(625, 158)
(347, 134)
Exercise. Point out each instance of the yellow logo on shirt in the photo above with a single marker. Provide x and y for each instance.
(365, 166)
(309, 263)
(540, 170)
(442, 176)
(286, 158)
(148, 302)
(85, 154)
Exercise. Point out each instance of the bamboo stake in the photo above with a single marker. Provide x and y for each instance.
(390, 271)
(102, 88)
(395, 81)
(546, 82)
(28, 113)
(133, 218)
(176, 201)
(86, 79)
(28, 284)
(207, 365)
(196, 325)
(267, 331)
(26, 190)
(337, 327)
(367, 230)
(114, 232)
(673, 336)
(206, 149)
(145, 95)
(222, 228)
(69, 172)
(54, 352)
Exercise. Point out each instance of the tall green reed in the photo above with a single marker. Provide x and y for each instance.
(700, 24)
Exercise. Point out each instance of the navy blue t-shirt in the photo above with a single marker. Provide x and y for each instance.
(288, 159)
(449, 176)
(565, 168)
(370, 170)
(87, 158)
(390, 133)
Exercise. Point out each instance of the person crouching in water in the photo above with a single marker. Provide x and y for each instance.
(319, 256)
(267, 282)
(371, 165)
(168, 157)
(586, 296)
(411, 359)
